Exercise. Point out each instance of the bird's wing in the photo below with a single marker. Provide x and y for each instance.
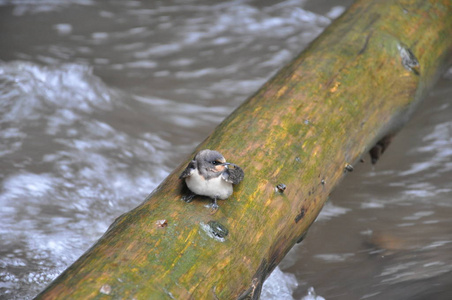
(234, 174)
(188, 170)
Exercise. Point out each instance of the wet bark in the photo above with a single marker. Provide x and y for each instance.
(357, 81)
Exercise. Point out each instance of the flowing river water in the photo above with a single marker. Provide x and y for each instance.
(100, 100)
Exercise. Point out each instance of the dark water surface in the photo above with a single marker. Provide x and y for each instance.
(100, 100)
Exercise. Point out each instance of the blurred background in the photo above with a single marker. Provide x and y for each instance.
(100, 100)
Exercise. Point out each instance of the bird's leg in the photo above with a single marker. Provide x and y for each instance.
(189, 197)
(215, 206)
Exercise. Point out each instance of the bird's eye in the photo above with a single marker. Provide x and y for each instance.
(215, 162)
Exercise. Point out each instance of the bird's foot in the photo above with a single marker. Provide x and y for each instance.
(214, 208)
(188, 198)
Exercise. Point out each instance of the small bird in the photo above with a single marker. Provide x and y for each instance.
(208, 174)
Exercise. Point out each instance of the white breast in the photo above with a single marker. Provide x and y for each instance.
(213, 188)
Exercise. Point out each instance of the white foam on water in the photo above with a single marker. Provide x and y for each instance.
(279, 286)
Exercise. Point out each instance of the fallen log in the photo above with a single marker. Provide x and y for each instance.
(303, 129)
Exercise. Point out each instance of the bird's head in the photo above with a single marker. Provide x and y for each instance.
(211, 160)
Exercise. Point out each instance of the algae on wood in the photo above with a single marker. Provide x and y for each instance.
(324, 110)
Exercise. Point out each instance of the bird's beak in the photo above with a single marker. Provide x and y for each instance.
(226, 164)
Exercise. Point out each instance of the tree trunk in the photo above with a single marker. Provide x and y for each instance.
(321, 112)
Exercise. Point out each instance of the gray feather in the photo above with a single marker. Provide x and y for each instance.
(234, 174)
(188, 170)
